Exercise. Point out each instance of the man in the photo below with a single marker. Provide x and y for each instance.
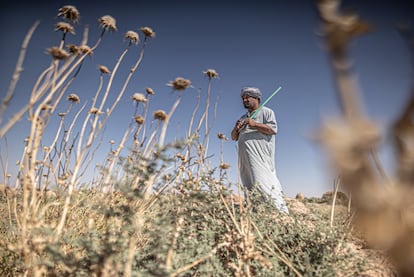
(256, 148)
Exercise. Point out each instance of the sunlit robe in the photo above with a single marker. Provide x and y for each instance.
(256, 152)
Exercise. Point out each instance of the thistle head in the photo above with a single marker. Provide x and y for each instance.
(211, 73)
(160, 115)
(108, 23)
(132, 36)
(139, 97)
(69, 12)
(58, 53)
(148, 32)
(64, 27)
(179, 83)
(103, 69)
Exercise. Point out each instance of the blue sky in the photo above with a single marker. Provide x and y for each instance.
(249, 43)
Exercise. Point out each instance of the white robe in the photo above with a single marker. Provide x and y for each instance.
(256, 152)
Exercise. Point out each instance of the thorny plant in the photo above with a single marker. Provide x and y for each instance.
(59, 166)
(383, 206)
(156, 211)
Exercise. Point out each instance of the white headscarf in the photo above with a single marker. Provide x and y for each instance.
(251, 91)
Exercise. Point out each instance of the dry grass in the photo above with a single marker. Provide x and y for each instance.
(161, 209)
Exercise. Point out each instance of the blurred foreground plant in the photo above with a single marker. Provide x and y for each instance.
(383, 206)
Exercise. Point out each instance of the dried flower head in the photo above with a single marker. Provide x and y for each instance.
(132, 36)
(211, 73)
(139, 97)
(180, 156)
(103, 69)
(69, 12)
(160, 115)
(73, 49)
(139, 119)
(108, 23)
(148, 32)
(58, 53)
(111, 141)
(85, 49)
(95, 111)
(179, 83)
(224, 165)
(73, 98)
(222, 136)
(65, 28)
(150, 91)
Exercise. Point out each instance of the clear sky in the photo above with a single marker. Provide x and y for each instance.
(249, 43)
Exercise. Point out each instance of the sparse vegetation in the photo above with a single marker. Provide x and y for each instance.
(161, 209)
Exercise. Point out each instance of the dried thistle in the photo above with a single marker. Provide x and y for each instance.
(73, 98)
(339, 28)
(160, 115)
(108, 23)
(58, 53)
(103, 69)
(148, 32)
(180, 156)
(149, 91)
(179, 83)
(139, 97)
(224, 165)
(139, 119)
(132, 36)
(211, 73)
(95, 111)
(73, 49)
(222, 136)
(85, 49)
(69, 12)
(65, 28)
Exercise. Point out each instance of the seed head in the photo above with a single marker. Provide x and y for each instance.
(224, 165)
(65, 28)
(104, 69)
(150, 91)
(222, 136)
(73, 98)
(179, 83)
(69, 12)
(139, 97)
(139, 119)
(211, 73)
(160, 115)
(73, 49)
(148, 32)
(132, 36)
(85, 49)
(58, 53)
(108, 23)
(95, 111)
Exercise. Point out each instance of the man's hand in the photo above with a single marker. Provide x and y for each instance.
(250, 122)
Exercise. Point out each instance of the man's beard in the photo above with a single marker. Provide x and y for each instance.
(246, 105)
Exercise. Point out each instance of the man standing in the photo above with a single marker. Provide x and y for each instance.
(256, 148)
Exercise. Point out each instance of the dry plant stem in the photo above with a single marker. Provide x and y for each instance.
(18, 69)
(130, 74)
(336, 187)
(197, 106)
(178, 228)
(167, 120)
(83, 148)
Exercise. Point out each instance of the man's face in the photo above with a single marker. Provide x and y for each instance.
(249, 101)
